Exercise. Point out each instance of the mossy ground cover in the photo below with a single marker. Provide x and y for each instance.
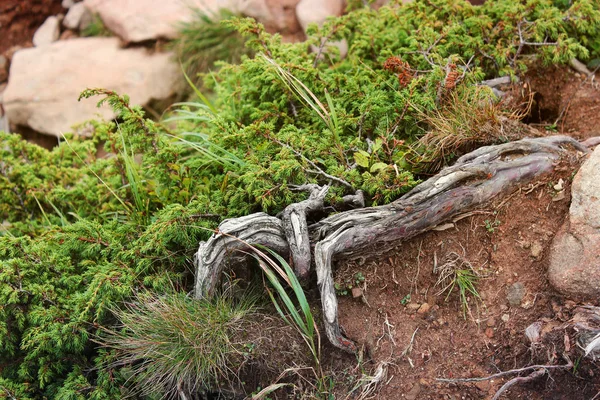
(81, 234)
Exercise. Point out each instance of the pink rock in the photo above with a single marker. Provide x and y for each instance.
(45, 82)
(574, 267)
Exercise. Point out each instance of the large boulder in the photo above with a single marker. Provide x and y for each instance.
(45, 82)
(140, 20)
(574, 268)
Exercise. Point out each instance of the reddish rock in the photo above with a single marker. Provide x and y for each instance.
(574, 267)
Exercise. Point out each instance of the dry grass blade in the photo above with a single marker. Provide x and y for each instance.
(456, 271)
(471, 118)
(369, 384)
(268, 390)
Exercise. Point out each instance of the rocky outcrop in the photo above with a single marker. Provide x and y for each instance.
(574, 268)
(45, 82)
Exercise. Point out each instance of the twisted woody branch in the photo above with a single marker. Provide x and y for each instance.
(474, 180)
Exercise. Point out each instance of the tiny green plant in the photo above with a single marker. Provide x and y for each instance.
(344, 288)
(490, 225)
(96, 28)
(405, 300)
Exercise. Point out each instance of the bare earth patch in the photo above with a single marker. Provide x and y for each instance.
(421, 334)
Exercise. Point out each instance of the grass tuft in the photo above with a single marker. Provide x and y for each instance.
(174, 344)
(457, 272)
(468, 119)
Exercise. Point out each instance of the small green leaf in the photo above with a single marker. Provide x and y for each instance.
(378, 166)
(362, 159)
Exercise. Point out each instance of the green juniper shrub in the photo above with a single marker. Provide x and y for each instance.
(80, 234)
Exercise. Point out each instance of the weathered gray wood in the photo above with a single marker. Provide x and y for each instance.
(231, 243)
(473, 180)
(294, 225)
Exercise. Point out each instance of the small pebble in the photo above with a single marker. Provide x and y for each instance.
(424, 308)
(505, 317)
(536, 250)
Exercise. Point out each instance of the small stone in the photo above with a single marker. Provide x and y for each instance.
(491, 322)
(67, 3)
(533, 331)
(357, 292)
(424, 308)
(559, 186)
(413, 393)
(413, 306)
(503, 307)
(76, 17)
(516, 292)
(536, 250)
(525, 245)
(47, 33)
(559, 196)
(505, 318)
(489, 332)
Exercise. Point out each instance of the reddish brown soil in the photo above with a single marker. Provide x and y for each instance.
(569, 94)
(500, 242)
(20, 18)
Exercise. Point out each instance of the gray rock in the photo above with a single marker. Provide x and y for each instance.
(45, 82)
(67, 3)
(585, 192)
(48, 32)
(77, 17)
(515, 294)
(574, 267)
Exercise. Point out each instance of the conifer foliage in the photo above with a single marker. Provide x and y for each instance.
(81, 234)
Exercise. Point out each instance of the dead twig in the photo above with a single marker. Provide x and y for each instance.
(408, 348)
(504, 373)
(520, 379)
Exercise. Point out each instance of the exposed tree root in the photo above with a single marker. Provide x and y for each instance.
(475, 179)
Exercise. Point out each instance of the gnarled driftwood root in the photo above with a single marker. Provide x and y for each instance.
(475, 179)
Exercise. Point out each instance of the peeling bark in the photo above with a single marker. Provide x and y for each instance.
(475, 179)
